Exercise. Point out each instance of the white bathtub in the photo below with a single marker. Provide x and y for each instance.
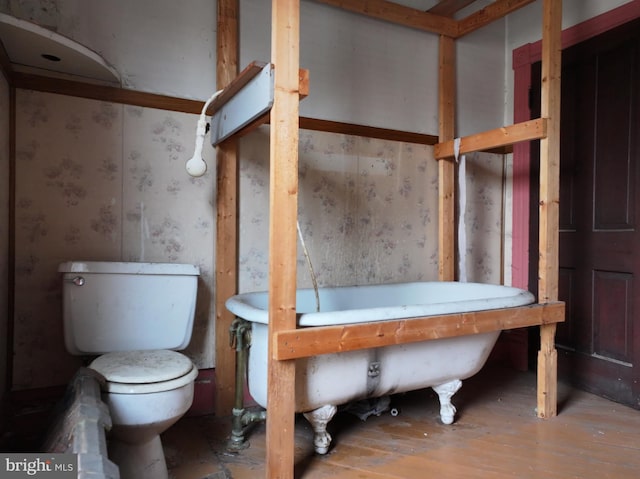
(329, 380)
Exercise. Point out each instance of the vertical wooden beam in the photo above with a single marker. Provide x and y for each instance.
(226, 212)
(446, 171)
(283, 214)
(549, 201)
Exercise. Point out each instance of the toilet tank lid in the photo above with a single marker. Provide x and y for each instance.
(142, 367)
(112, 267)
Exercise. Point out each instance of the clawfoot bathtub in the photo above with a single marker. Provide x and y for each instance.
(326, 381)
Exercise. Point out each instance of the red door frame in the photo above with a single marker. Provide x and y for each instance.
(523, 58)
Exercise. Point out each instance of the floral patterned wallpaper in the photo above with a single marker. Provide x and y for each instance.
(487, 217)
(368, 211)
(100, 181)
(4, 225)
(107, 182)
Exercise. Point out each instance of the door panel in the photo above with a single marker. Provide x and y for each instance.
(613, 316)
(599, 277)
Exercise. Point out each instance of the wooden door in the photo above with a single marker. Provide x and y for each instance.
(599, 344)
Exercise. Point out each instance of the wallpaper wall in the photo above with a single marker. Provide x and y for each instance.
(100, 181)
(368, 212)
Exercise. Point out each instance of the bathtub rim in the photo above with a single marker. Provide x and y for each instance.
(239, 305)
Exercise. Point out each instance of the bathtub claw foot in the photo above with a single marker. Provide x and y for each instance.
(445, 393)
(319, 418)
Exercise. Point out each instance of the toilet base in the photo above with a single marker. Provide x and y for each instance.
(139, 461)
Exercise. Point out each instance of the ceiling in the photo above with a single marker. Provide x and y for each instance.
(446, 8)
(34, 49)
(31, 48)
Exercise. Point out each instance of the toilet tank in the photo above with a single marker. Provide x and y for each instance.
(118, 306)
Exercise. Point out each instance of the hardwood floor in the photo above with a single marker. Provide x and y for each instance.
(496, 435)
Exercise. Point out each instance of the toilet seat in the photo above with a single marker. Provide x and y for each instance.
(139, 372)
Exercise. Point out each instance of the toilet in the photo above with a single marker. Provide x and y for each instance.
(131, 319)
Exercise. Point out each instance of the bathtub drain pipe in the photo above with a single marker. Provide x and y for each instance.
(240, 339)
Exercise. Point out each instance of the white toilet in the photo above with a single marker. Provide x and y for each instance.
(133, 316)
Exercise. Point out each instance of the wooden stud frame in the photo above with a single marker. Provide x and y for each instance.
(312, 341)
(549, 201)
(286, 341)
(446, 171)
(226, 212)
(283, 214)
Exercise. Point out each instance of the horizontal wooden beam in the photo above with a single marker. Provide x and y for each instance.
(489, 14)
(94, 91)
(448, 8)
(306, 342)
(507, 135)
(399, 14)
(98, 92)
(352, 129)
(111, 94)
(433, 20)
(366, 131)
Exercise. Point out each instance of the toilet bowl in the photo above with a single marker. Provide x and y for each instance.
(135, 316)
(146, 392)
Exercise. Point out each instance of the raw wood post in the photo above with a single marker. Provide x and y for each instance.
(498, 137)
(446, 172)
(226, 213)
(549, 202)
(283, 213)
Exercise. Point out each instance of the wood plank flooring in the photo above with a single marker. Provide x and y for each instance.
(496, 435)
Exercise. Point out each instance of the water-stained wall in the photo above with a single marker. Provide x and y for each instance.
(368, 212)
